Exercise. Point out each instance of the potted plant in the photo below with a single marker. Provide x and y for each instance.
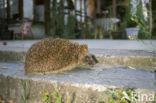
(137, 22)
(132, 29)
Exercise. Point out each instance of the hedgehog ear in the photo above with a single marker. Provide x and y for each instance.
(84, 46)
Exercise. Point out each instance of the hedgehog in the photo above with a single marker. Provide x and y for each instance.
(55, 56)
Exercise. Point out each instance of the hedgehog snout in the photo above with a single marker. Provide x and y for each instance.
(91, 62)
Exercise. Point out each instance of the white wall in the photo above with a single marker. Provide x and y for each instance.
(40, 13)
(28, 9)
(13, 7)
(77, 8)
(3, 12)
(83, 9)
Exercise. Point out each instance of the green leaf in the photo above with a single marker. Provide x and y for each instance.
(59, 99)
(124, 101)
(54, 94)
(110, 100)
(44, 98)
(114, 96)
(46, 93)
(125, 96)
(119, 93)
(3, 67)
(42, 73)
(101, 102)
(68, 99)
(107, 92)
(108, 55)
(155, 97)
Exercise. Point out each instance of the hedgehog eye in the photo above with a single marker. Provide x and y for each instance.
(86, 57)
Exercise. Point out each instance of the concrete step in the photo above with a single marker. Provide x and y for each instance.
(117, 53)
(82, 85)
(137, 59)
(121, 65)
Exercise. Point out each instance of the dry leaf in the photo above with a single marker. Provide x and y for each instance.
(131, 67)
(3, 68)
(4, 43)
(10, 101)
(115, 71)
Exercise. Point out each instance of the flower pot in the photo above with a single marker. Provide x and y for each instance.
(130, 32)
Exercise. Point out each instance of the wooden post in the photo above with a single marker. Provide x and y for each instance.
(91, 7)
(75, 8)
(20, 8)
(114, 8)
(47, 16)
(81, 10)
(34, 11)
(127, 13)
(85, 10)
(8, 11)
(2, 11)
(150, 18)
(98, 6)
(127, 2)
